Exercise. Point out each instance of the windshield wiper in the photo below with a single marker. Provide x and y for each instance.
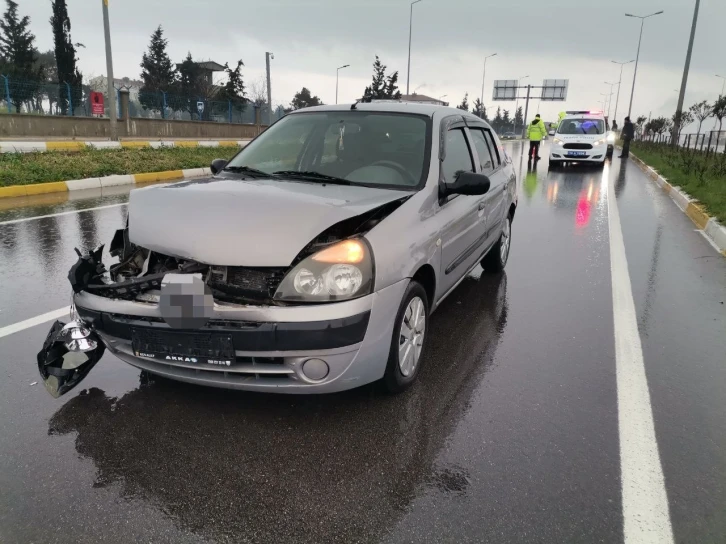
(311, 176)
(246, 170)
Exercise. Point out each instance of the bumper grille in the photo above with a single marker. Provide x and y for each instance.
(577, 146)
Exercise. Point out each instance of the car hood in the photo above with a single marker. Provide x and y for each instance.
(234, 222)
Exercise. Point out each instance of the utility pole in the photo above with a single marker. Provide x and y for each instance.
(526, 109)
(112, 117)
(269, 56)
(684, 81)
(410, 28)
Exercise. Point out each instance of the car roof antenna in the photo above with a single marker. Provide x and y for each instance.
(353, 106)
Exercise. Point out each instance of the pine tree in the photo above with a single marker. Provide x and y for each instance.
(189, 84)
(506, 120)
(464, 103)
(304, 99)
(157, 72)
(65, 57)
(377, 88)
(518, 118)
(479, 109)
(391, 88)
(234, 88)
(498, 121)
(18, 55)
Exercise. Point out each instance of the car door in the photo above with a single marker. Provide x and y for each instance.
(462, 233)
(490, 163)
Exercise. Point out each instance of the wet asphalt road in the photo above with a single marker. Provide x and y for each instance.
(510, 435)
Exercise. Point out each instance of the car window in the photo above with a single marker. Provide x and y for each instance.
(494, 147)
(458, 157)
(483, 149)
(582, 126)
(367, 148)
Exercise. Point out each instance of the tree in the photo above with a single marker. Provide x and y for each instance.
(192, 86)
(65, 57)
(18, 55)
(518, 118)
(258, 92)
(640, 122)
(479, 110)
(382, 86)
(506, 120)
(701, 111)
(498, 121)
(719, 111)
(234, 87)
(47, 70)
(157, 72)
(682, 120)
(659, 125)
(464, 103)
(304, 99)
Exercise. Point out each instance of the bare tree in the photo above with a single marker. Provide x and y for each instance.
(258, 92)
(701, 111)
(686, 118)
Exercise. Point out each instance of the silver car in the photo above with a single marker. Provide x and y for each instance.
(309, 263)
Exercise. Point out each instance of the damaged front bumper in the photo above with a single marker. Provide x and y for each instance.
(292, 349)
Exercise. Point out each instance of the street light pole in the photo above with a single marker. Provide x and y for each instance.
(723, 85)
(684, 81)
(112, 119)
(337, 74)
(269, 56)
(484, 75)
(620, 81)
(410, 27)
(637, 56)
(610, 103)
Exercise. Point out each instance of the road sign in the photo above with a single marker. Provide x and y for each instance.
(505, 89)
(97, 109)
(554, 90)
(200, 108)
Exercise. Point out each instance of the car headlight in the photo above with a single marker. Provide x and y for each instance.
(599, 142)
(611, 138)
(338, 272)
(557, 141)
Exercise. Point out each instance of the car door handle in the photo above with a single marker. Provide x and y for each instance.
(482, 205)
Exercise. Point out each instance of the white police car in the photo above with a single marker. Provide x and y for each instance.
(582, 136)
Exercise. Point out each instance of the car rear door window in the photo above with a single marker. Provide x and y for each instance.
(484, 149)
(458, 156)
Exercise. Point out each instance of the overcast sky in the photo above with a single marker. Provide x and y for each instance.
(563, 39)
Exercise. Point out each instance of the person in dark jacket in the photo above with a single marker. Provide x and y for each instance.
(627, 134)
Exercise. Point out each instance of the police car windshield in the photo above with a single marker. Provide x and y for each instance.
(582, 126)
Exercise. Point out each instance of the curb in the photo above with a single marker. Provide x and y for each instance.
(34, 147)
(99, 183)
(711, 228)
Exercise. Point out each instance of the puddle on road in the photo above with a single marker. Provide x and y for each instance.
(51, 203)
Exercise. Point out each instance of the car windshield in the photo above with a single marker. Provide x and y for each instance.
(357, 147)
(582, 126)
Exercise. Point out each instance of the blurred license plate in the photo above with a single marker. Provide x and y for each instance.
(576, 153)
(183, 347)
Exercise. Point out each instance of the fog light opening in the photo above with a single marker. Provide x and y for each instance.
(315, 369)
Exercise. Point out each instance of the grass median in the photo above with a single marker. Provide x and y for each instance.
(701, 175)
(29, 168)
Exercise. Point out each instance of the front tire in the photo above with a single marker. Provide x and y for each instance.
(554, 164)
(496, 259)
(409, 339)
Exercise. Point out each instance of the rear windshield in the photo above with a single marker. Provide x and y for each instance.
(582, 126)
(365, 148)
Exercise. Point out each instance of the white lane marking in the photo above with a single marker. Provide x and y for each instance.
(61, 213)
(646, 517)
(33, 321)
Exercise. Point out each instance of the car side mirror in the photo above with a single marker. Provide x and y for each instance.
(217, 165)
(468, 183)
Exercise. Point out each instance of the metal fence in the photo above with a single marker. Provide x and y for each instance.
(43, 98)
(710, 142)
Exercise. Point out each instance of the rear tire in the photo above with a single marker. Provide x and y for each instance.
(496, 259)
(409, 341)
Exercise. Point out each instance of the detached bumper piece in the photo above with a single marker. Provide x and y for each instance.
(68, 355)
